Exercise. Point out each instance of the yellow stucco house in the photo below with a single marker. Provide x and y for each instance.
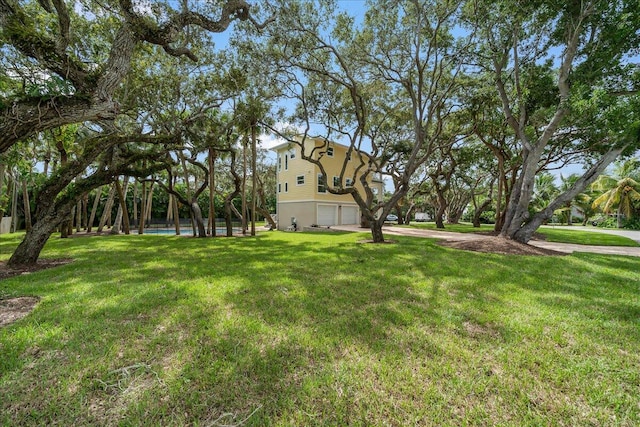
(302, 193)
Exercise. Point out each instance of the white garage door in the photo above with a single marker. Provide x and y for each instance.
(326, 215)
(350, 215)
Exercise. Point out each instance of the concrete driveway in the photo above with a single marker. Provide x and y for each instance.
(449, 235)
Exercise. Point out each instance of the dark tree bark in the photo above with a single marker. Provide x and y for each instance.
(228, 200)
(192, 200)
(525, 231)
(92, 98)
(52, 204)
(53, 209)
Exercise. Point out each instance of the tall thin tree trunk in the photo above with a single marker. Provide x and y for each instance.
(14, 205)
(135, 202)
(123, 214)
(148, 208)
(244, 185)
(27, 205)
(79, 215)
(69, 222)
(94, 209)
(85, 210)
(197, 215)
(176, 214)
(169, 210)
(2, 172)
(212, 193)
(143, 201)
(227, 217)
(107, 208)
(254, 174)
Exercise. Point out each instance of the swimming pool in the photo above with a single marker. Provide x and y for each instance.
(185, 231)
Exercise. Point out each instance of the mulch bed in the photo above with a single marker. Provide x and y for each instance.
(499, 245)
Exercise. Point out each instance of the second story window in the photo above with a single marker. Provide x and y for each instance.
(279, 163)
(286, 161)
(322, 186)
(300, 180)
(330, 151)
(349, 182)
(292, 154)
(336, 182)
(279, 188)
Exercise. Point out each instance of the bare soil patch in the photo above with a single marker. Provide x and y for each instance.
(498, 245)
(16, 308)
(42, 264)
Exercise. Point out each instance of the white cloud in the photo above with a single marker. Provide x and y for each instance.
(270, 140)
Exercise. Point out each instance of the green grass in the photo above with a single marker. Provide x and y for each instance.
(585, 237)
(551, 234)
(293, 329)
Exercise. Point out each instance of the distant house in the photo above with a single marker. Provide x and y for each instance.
(302, 192)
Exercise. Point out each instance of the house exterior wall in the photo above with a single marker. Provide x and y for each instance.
(297, 181)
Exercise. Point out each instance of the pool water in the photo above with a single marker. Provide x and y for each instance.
(184, 231)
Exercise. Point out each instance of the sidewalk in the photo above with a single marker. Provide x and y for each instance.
(449, 235)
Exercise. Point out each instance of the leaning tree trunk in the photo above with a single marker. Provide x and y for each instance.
(407, 217)
(267, 216)
(29, 249)
(524, 233)
(122, 215)
(107, 208)
(197, 216)
(479, 211)
(227, 217)
(27, 205)
(94, 208)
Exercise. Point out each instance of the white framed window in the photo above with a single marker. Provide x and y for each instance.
(322, 186)
(279, 188)
(286, 187)
(300, 180)
(330, 151)
(279, 163)
(336, 181)
(292, 154)
(286, 162)
(348, 182)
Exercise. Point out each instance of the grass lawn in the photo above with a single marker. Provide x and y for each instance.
(297, 329)
(551, 234)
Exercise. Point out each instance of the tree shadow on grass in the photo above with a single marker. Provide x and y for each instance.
(186, 330)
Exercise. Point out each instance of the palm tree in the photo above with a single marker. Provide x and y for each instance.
(622, 190)
(544, 191)
(566, 210)
(584, 203)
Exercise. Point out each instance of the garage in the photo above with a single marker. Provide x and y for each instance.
(327, 214)
(350, 215)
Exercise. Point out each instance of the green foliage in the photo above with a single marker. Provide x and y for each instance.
(632, 223)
